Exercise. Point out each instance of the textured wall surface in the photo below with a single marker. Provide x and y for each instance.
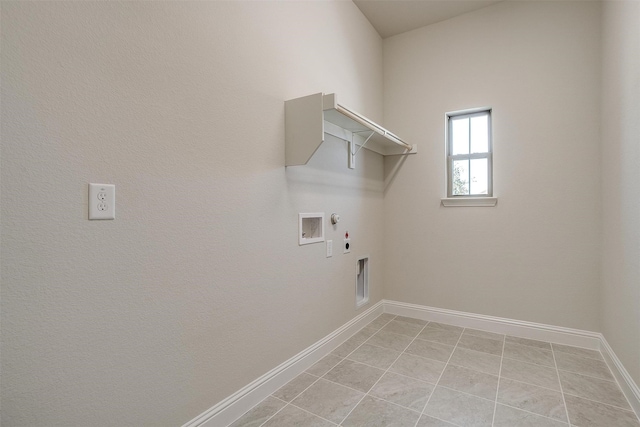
(621, 181)
(199, 286)
(535, 256)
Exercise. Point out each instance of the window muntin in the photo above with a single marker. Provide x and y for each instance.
(469, 154)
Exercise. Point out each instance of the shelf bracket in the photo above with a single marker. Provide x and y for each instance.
(352, 154)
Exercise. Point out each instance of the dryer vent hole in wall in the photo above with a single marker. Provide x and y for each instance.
(362, 281)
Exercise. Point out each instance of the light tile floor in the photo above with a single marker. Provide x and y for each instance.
(399, 371)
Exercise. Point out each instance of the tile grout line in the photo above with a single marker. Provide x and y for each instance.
(315, 415)
(395, 373)
(466, 393)
(601, 403)
(474, 334)
(400, 355)
(495, 405)
(534, 385)
(440, 377)
(258, 404)
(533, 413)
(529, 361)
(553, 345)
(472, 369)
(563, 370)
(446, 422)
(377, 397)
(342, 385)
(365, 341)
(345, 358)
(554, 351)
(275, 413)
(297, 395)
(319, 377)
(385, 372)
(580, 355)
(590, 376)
(564, 401)
(391, 403)
(372, 345)
(529, 345)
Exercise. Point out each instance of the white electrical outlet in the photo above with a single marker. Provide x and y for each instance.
(102, 201)
(329, 248)
(347, 246)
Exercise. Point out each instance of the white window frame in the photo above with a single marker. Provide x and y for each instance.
(471, 199)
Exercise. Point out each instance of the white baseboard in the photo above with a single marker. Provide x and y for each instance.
(499, 325)
(628, 386)
(231, 408)
(234, 406)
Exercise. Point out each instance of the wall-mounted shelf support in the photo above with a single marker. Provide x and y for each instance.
(352, 145)
(309, 118)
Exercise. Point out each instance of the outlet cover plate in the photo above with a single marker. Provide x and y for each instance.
(102, 201)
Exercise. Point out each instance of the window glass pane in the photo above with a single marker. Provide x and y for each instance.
(479, 176)
(480, 134)
(460, 175)
(460, 136)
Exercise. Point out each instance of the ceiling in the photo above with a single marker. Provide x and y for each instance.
(391, 17)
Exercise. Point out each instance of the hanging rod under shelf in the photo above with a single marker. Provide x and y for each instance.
(329, 102)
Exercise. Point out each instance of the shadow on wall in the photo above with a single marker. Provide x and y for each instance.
(392, 165)
(327, 170)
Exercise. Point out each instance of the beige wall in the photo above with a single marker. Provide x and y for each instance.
(621, 181)
(199, 286)
(535, 256)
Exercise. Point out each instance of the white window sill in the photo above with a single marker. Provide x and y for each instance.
(470, 201)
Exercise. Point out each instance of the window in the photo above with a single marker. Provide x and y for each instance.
(469, 154)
